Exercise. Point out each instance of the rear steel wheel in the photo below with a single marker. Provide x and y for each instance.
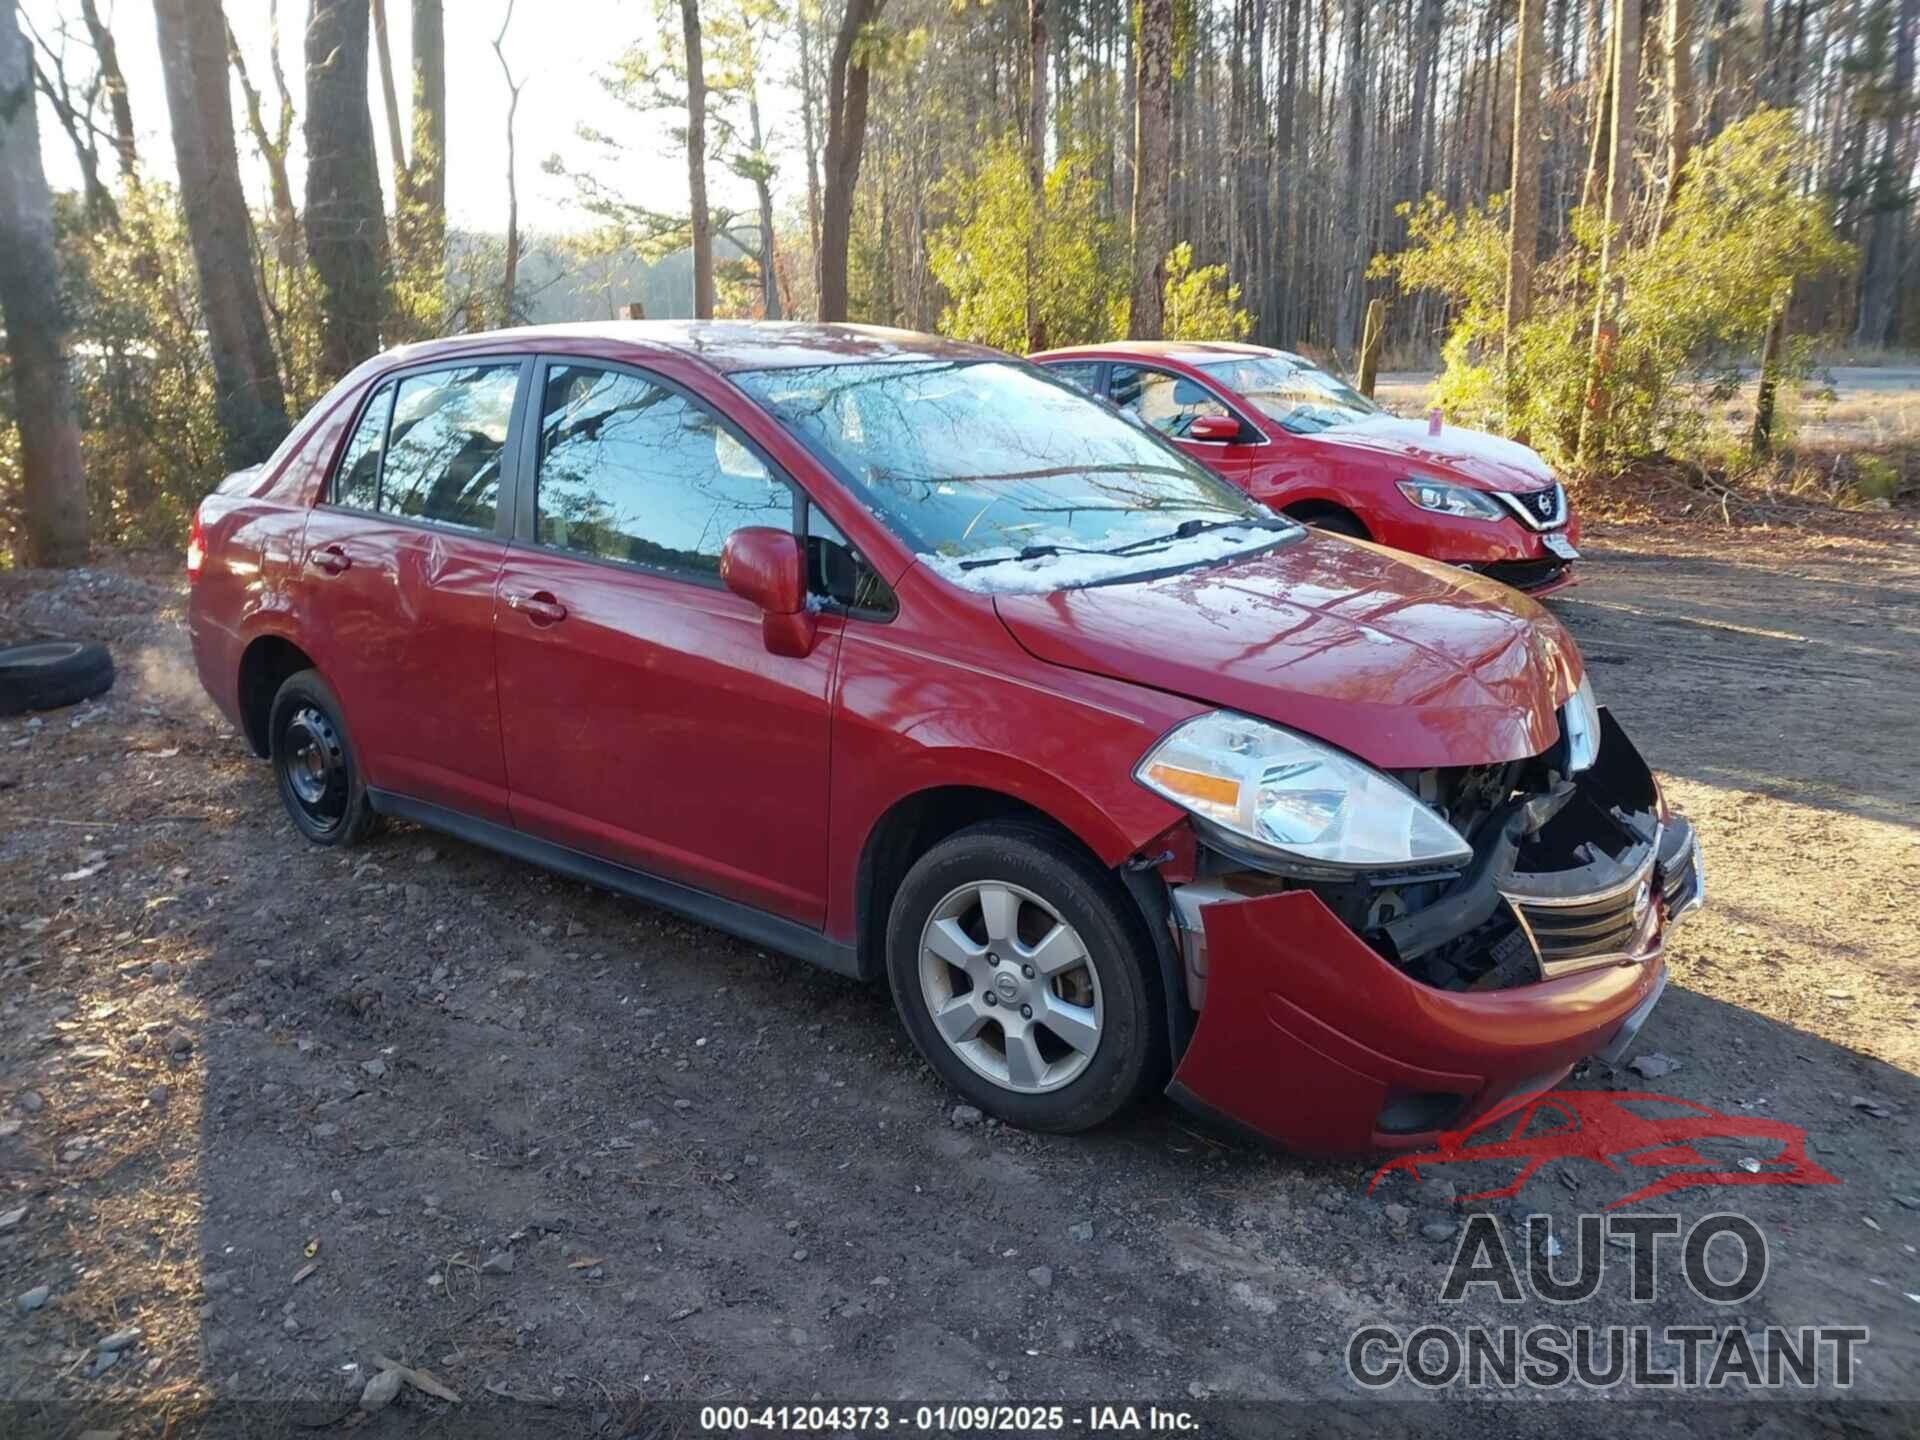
(314, 763)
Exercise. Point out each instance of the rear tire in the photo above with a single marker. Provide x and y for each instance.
(315, 765)
(1022, 972)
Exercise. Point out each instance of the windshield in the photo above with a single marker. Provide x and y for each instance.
(1303, 399)
(981, 460)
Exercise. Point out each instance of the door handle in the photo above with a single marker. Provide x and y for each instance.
(332, 559)
(540, 607)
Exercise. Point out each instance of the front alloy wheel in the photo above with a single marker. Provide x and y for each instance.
(1010, 987)
(1026, 976)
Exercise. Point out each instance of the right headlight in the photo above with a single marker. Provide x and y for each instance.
(1294, 801)
(1444, 499)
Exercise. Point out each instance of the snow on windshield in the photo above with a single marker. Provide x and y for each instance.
(1071, 570)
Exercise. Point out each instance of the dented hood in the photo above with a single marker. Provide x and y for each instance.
(1404, 662)
(1485, 461)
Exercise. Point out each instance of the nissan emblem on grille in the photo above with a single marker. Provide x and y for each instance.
(1543, 503)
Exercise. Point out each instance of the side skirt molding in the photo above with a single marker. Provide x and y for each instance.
(754, 926)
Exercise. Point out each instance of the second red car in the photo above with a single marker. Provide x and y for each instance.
(1303, 442)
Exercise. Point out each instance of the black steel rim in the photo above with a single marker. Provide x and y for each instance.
(313, 762)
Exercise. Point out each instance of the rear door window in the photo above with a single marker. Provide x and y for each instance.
(1168, 403)
(445, 445)
(634, 471)
(1081, 374)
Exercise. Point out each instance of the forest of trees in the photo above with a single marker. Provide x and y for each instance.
(1582, 200)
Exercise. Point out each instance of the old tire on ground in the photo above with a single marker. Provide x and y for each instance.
(46, 674)
(314, 763)
(1020, 968)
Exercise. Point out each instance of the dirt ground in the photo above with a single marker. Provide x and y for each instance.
(286, 1112)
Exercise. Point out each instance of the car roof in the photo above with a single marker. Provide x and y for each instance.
(1193, 352)
(724, 345)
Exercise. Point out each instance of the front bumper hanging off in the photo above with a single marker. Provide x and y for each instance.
(1316, 1040)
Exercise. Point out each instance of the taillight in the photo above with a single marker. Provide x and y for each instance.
(196, 547)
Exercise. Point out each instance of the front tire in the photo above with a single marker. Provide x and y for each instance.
(315, 765)
(1022, 973)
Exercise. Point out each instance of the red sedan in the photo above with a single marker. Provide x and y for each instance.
(1297, 439)
(892, 654)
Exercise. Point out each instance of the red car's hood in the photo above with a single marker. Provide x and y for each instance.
(1484, 460)
(1406, 663)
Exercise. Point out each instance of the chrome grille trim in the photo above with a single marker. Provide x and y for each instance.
(1530, 517)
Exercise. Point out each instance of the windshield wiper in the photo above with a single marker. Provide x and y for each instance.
(1187, 529)
(1031, 552)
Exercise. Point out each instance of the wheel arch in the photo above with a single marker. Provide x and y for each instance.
(1311, 508)
(918, 821)
(264, 667)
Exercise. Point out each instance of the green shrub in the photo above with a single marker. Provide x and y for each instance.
(1697, 299)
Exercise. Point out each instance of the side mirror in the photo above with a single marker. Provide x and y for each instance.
(1213, 427)
(766, 567)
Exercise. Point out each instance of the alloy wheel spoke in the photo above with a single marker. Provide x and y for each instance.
(1025, 1065)
(960, 1019)
(947, 941)
(1059, 950)
(1000, 910)
(1075, 1025)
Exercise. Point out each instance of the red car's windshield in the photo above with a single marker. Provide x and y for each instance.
(976, 458)
(1304, 400)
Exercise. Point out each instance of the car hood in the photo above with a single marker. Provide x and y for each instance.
(1404, 662)
(1485, 461)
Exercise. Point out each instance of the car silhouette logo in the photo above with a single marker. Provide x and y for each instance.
(1627, 1133)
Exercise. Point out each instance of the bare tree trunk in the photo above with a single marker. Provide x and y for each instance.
(1761, 438)
(1352, 260)
(1372, 337)
(193, 56)
(810, 129)
(702, 219)
(1679, 47)
(1036, 167)
(1523, 202)
(1883, 255)
(116, 87)
(1152, 124)
(763, 193)
(1599, 119)
(273, 146)
(390, 102)
(346, 227)
(426, 233)
(56, 485)
(848, 83)
(1626, 94)
(510, 280)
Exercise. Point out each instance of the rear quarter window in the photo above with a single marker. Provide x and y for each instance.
(357, 483)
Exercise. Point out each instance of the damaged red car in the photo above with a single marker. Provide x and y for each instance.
(901, 657)
(1306, 443)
